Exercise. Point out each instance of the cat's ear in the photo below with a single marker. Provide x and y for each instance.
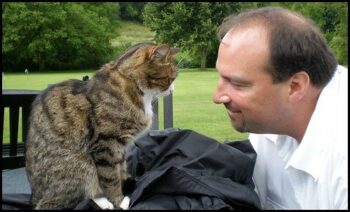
(159, 52)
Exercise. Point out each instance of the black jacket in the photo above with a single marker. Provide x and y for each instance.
(181, 169)
(176, 169)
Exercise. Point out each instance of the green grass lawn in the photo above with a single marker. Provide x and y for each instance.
(192, 100)
(193, 106)
(131, 32)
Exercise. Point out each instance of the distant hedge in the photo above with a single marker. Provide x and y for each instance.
(42, 36)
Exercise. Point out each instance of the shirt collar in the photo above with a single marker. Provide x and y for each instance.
(320, 131)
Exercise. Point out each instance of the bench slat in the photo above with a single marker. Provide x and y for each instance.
(13, 153)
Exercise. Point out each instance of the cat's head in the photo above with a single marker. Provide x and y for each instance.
(151, 65)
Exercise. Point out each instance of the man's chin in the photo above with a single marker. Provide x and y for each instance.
(239, 128)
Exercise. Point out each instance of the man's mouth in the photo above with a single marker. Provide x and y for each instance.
(233, 114)
(232, 110)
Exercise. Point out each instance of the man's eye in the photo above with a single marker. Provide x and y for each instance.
(239, 85)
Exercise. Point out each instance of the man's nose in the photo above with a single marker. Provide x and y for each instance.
(219, 96)
(221, 99)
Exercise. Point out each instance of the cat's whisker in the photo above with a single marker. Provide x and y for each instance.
(165, 64)
(179, 63)
(155, 99)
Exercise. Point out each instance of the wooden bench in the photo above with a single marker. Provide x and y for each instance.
(19, 102)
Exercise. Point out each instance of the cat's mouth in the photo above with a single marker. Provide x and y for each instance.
(170, 90)
(166, 92)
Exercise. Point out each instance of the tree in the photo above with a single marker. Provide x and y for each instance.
(187, 25)
(132, 11)
(332, 19)
(339, 42)
(56, 35)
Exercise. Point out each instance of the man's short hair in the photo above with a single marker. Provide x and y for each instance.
(296, 44)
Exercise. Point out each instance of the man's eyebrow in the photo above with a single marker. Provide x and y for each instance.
(238, 80)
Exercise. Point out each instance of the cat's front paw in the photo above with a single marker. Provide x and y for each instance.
(125, 203)
(117, 201)
(103, 203)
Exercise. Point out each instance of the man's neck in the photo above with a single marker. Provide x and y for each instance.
(304, 114)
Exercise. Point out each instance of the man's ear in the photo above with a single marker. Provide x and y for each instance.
(298, 86)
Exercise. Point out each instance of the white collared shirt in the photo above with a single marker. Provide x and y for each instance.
(314, 173)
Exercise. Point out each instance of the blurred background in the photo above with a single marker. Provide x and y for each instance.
(48, 42)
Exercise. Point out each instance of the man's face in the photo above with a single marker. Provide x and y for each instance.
(253, 102)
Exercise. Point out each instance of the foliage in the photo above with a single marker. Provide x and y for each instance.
(57, 35)
(195, 25)
(131, 11)
(338, 39)
(332, 19)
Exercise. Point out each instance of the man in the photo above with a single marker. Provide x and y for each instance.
(280, 81)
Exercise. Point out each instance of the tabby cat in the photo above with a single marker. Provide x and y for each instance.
(79, 130)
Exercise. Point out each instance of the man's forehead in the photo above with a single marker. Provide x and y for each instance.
(245, 32)
(227, 38)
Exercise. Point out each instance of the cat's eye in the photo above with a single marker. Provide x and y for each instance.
(157, 56)
(157, 77)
